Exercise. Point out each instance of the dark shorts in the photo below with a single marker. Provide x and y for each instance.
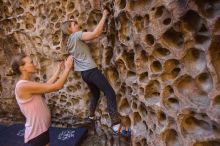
(41, 140)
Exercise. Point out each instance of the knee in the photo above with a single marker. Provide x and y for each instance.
(96, 94)
(111, 93)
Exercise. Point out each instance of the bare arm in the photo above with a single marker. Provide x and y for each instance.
(29, 88)
(86, 36)
(56, 74)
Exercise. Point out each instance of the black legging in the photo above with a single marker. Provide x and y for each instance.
(96, 81)
(41, 140)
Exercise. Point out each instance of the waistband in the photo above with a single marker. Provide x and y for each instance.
(89, 70)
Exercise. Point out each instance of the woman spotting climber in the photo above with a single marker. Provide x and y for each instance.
(73, 42)
(29, 98)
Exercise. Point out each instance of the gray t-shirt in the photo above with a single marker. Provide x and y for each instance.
(80, 51)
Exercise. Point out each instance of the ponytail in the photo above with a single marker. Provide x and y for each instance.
(17, 62)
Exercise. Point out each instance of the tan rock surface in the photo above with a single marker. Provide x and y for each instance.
(162, 57)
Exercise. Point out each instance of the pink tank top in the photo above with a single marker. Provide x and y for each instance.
(36, 112)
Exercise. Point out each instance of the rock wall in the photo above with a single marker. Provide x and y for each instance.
(161, 57)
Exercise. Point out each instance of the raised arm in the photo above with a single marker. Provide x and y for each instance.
(86, 36)
(29, 88)
(56, 74)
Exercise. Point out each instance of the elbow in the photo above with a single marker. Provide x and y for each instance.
(60, 87)
(57, 87)
(97, 34)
